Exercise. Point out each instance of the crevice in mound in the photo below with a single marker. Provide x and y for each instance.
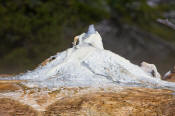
(84, 64)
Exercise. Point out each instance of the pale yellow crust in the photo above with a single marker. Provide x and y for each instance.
(75, 40)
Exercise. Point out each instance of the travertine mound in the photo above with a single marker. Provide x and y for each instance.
(88, 64)
(87, 80)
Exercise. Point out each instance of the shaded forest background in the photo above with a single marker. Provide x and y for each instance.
(33, 30)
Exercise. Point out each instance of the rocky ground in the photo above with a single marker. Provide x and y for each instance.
(19, 101)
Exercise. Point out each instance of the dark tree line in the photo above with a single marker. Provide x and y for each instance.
(32, 30)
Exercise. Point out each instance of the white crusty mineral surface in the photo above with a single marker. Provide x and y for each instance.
(150, 69)
(88, 64)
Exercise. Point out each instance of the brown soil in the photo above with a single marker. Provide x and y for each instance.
(22, 101)
(9, 85)
(6, 75)
(131, 102)
(171, 78)
(9, 107)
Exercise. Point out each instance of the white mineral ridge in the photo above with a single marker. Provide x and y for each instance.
(88, 64)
